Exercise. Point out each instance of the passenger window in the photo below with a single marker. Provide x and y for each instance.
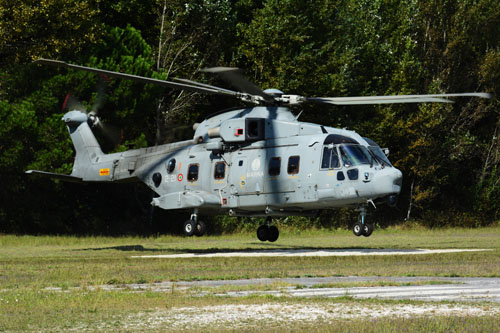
(171, 165)
(220, 170)
(293, 165)
(274, 166)
(193, 172)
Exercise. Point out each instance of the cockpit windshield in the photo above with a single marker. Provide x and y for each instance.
(380, 156)
(378, 153)
(353, 155)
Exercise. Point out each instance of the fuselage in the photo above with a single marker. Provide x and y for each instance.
(255, 161)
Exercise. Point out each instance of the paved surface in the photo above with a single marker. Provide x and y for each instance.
(451, 289)
(454, 289)
(310, 253)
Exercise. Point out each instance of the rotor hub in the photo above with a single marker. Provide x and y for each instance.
(274, 92)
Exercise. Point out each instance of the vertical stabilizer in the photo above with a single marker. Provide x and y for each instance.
(86, 146)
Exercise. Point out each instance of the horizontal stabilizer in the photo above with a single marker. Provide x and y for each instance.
(66, 178)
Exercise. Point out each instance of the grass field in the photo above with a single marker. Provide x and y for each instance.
(52, 283)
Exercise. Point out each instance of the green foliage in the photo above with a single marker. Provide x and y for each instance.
(47, 28)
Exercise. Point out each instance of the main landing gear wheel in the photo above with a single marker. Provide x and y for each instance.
(200, 229)
(262, 233)
(273, 233)
(268, 233)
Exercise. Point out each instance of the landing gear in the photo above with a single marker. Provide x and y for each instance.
(361, 227)
(194, 226)
(268, 233)
(367, 230)
(358, 229)
(189, 227)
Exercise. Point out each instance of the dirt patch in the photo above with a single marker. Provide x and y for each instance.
(235, 316)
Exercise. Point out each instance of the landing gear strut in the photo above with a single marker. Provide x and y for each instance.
(193, 226)
(361, 227)
(267, 232)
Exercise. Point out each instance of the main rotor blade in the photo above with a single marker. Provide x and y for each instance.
(360, 100)
(170, 84)
(205, 85)
(235, 77)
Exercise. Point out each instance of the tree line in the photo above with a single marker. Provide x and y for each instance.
(449, 153)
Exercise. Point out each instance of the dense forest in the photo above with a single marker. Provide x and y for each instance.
(449, 153)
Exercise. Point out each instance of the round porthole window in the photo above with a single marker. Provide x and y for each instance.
(171, 165)
(157, 179)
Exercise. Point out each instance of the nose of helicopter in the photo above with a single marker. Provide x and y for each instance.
(388, 181)
(397, 179)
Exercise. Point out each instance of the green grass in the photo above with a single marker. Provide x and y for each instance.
(31, 310)
(80, 261)
(31, 264)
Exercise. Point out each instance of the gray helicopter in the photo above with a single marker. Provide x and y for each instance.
(253, 161)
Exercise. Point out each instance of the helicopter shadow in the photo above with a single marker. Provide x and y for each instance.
(127, 248)
(262, 248)
(273, 248)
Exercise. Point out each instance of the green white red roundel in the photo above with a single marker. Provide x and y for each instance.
(180, 177)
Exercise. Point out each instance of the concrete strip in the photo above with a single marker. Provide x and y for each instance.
(310, 253)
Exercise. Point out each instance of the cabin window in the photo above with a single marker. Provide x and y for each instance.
(220, 170)
(171, 165)
(193, 172)
(293, 165)
(330, 158)
(274, 166)
(157, 179)
(240, 163)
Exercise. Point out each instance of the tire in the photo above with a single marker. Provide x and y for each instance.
(357, 229)
(189, 228)
(273, 233)
(201, 228)
(368, 229)
(263, 233)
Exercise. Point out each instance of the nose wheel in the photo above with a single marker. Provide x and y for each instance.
(194, 226)
(361, 228)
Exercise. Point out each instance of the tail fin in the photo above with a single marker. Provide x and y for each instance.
(88, 151)
(86, 146)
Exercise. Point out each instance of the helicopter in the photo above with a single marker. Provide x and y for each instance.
(254, 161)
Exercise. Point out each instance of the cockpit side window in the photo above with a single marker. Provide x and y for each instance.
(330, 159)
(325, 162)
